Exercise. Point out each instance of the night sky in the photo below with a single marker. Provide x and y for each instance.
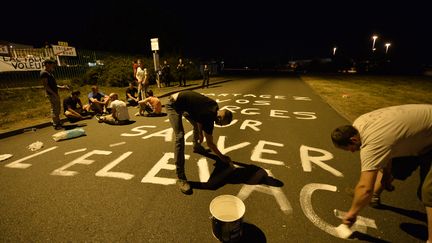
(237, 31)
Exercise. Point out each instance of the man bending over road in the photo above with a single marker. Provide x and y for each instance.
(202, 112)
(383, 135)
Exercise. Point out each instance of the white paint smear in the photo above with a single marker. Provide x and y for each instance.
(75, 151)
(117, 144)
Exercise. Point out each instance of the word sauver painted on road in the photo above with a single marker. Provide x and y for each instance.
(263, 152)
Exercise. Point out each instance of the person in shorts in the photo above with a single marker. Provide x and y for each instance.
(74, 109)
(98, 101)
(119, 112)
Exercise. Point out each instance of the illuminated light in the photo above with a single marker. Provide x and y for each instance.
(387, 45)
(374, 37)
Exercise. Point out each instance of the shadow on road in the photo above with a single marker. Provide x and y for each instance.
(414, 214)
(366, 238)
(243, 174)
(251, 233)
(418, 231)
(73, 126)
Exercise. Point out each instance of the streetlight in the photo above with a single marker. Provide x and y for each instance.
(373, 43)
(334, 50)
(387, 46)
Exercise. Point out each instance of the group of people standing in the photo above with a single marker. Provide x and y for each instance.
(165, 76)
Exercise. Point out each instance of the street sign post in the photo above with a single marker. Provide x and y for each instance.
(155, 47)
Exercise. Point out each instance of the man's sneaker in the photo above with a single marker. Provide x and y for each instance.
(58, 127)
(375, 202)
(199, 149)
(184, 186)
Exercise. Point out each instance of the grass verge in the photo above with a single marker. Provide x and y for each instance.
(350, 95)
(353, 95)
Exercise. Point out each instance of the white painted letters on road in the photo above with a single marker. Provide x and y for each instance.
(166, 134)
(306, 204)
(304, 115)
(307, 160)
(279, 113)
(151, 177)
(253, 124)
(259, 150)
(18, 165)
(81, 160)
(138, 130)
(105, 171)
(223, 150)
(276, 192)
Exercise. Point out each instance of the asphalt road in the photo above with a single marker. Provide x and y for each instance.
(117, 183)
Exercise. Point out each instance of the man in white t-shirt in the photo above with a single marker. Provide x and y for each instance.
(383, 135)
(119, 112)
(143, 80)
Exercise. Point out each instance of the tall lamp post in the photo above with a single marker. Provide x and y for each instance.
(374, 37)
(387, 45)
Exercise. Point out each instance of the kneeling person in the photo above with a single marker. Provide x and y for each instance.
(119, 112)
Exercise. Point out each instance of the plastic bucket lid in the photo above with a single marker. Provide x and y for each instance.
(227, 208)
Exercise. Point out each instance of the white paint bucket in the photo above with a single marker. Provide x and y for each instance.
(227, 217)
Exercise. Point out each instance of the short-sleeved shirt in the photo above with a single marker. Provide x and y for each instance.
(52, 83)
(132, 91)
(70, 102)
(392, 132)
(121, 110)
(200, 108)
(141, 73)
(99, 96)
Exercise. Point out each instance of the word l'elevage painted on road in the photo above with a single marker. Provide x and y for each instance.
(153, 176)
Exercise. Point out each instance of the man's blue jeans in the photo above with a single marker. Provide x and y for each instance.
(175, 118)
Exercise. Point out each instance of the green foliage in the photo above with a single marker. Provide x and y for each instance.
(117, 71)
(92, 75)
(192, 68)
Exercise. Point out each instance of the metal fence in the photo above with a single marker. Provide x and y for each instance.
(22, 67)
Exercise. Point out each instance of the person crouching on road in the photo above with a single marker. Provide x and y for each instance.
(202, 112)
(119, 112)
